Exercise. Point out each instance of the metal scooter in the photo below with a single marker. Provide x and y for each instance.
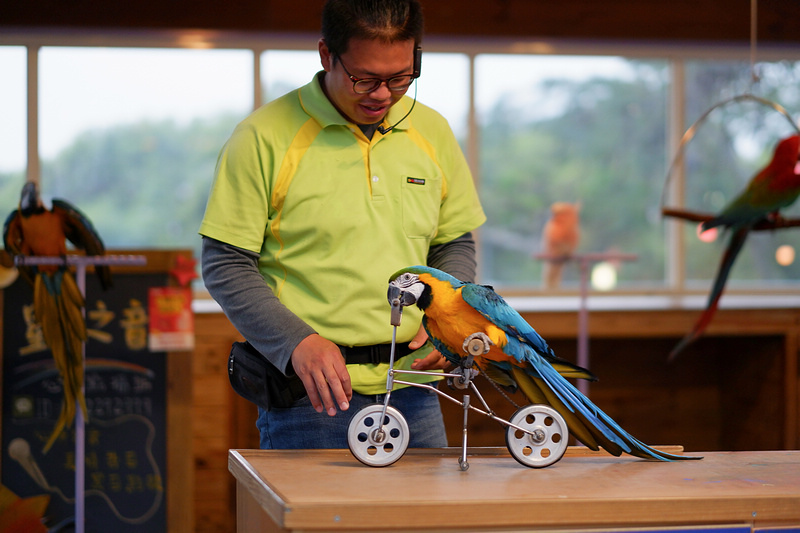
(378, 434)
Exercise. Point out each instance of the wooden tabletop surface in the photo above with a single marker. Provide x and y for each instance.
(330, 489)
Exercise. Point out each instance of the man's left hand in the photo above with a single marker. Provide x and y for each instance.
(432, 361)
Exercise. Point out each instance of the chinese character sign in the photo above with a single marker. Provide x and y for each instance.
(125, 388)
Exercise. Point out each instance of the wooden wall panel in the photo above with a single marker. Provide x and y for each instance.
(726, 395)
(733, 390)
(213, 430)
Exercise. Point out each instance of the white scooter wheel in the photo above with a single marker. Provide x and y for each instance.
(376, 444)
(544, 440)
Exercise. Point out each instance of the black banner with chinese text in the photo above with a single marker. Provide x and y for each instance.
(125, 435)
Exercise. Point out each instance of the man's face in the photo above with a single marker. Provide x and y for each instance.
(366, 59)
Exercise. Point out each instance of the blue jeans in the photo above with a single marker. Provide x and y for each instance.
(300, 426)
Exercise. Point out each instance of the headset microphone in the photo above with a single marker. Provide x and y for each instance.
(384, 131)
(417, 70)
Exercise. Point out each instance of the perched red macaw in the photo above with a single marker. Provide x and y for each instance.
(33, 230)
(775, 187)
(518, 355)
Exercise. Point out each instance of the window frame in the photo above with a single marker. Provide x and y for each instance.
(675, 292)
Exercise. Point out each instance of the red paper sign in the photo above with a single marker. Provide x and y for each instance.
(171, 319)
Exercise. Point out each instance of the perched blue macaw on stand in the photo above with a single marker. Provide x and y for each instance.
(517, 356)
(34, 230)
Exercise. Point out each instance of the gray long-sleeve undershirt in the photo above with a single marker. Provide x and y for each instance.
(232, 278)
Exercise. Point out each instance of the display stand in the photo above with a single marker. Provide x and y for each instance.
(80, 263)
(584, 260)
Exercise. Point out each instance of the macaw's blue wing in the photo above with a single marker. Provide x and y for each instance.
(492, 306)
(80, 231)
(495, 309)
(533, 366)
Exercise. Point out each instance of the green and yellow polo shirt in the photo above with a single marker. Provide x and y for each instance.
(334, 214)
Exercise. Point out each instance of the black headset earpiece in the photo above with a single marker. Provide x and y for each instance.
(417, 70)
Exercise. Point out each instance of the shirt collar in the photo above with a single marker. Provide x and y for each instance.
(317, 105)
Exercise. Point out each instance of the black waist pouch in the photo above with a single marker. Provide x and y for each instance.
(255, 379)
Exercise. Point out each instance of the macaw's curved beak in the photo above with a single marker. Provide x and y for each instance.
(29, 200)
(398, 298)
(403, 298)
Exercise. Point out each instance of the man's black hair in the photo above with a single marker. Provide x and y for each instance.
(389, 21)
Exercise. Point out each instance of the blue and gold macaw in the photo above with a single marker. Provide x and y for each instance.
(518, 356)
(34, 230)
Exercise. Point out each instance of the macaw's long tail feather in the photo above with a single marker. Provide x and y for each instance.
(569, 369)
(726, 263)
(502, 376)
(585, 420)
(58, 306)
(46, 309)
(71, 303)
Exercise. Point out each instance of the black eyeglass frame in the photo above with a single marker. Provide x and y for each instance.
(374, 83)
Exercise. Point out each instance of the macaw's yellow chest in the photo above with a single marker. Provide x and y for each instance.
(451, 320)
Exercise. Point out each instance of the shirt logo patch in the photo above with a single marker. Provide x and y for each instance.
(415, 181)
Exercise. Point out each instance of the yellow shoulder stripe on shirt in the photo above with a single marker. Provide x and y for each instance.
(291, 160)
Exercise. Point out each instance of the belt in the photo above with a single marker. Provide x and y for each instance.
(377, 353)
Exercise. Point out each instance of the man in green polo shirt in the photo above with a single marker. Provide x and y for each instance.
(318, 198)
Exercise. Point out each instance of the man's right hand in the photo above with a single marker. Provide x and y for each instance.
(320, 366)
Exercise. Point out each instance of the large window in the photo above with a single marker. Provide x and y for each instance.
(285, 70)
(445, 86)
(735, 137)
(584, 130)
(131, 135)
(130, 132)
(13, 122)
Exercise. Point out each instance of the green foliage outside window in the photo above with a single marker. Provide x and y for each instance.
(601, 140)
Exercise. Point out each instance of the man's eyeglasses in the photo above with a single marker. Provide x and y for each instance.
(396, 84)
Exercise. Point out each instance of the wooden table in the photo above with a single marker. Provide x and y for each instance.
(329, 490)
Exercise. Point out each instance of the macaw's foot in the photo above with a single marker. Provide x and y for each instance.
(477, 344)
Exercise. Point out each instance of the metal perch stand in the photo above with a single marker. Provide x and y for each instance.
(80, 263)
